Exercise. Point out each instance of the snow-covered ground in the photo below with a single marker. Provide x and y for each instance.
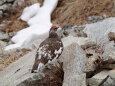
(39, 19)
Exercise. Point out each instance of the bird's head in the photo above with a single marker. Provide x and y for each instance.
(53, 31)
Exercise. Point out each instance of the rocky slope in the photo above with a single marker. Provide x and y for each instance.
(89, 55)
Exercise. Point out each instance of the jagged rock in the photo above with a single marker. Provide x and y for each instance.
(98, 78)
(74, 60)
(18, 3)
(4, 7)
(10, 0)
(3, 36)
(98, 33)
(2, 1)
(70, 30)
(52, 77)
(94, 19)
(112, 74)
(19, 71)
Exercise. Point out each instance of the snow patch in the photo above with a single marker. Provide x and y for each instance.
(30, 11)
(39, 19)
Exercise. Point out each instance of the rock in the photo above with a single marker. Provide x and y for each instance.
(70, 30)
(111, 36)
(11, 34)
(24, 64)
(18, 3)
(112, 55)
(96, 79)
(52, 76)
(4, 7)
(2, 1)
(98, 33)
(1, 13)
(101, 79)
(112, 74)
(4, 23)
(10, 0)
(4, 36)
(2, 44)
(74, 60)
(94, 19)
(75, 80)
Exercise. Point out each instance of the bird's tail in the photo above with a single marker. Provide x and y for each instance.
(37, 67)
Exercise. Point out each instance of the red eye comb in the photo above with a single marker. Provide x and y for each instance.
(54, 27)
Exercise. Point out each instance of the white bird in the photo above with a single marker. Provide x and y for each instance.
(50, 49)
(30, 11)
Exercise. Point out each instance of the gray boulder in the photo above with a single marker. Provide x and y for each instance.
(73, 58)
(2, 1)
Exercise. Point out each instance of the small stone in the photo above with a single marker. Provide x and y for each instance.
(11, 34)
(111, 36)
(4, 7)
(18, 3)
(93, 19)
(3, 35)
(70, 30)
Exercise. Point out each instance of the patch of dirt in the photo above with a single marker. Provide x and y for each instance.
(75, 12)
(12, 56)
(14, 15)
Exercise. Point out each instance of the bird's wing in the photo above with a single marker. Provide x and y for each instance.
(49, 49)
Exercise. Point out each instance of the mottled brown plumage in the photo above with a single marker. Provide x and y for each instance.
(49, 49)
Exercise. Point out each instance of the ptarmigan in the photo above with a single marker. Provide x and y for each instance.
(49, 49)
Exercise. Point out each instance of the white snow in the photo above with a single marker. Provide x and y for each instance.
(44, 14)
(23, 37)
(39, 19)
(30, 11)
